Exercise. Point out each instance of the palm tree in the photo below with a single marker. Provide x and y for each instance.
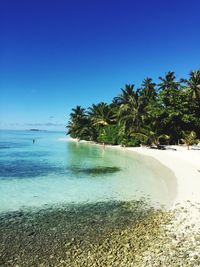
(148, 90)
(149, 136)
(126, 95)
(77, 113)
(168, 82)
(78, 124)
(189, 138)
(171, 111)
(148, 96)
(193, 83)
(169, 89)
(101, 114)
(130, 105)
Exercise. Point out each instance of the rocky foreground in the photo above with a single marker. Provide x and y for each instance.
(103, 234)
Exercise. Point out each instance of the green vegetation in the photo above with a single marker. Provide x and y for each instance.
(166, 113)
(189, 138)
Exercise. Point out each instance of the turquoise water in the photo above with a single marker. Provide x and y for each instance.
(55, 170)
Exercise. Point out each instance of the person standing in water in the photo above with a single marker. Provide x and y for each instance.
(33, 141)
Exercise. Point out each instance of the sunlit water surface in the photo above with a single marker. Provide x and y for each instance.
(55, 170)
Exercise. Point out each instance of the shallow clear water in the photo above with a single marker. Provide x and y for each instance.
(54, 170)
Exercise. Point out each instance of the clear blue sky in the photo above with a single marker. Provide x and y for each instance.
(55, 54)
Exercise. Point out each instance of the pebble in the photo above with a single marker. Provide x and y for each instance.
(124, 235)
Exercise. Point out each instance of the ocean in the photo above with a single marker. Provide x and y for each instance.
(41, 169)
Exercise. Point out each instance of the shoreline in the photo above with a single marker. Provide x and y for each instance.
(100, 234)
(184, 163)
(111, 233)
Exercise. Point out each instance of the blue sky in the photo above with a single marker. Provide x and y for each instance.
(57, 54)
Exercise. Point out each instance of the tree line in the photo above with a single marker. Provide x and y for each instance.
(167, 112)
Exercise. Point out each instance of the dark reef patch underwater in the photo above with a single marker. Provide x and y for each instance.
(116, 233)
(99, 170)
(23, 168)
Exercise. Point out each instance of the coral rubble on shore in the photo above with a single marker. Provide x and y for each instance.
(101, 234)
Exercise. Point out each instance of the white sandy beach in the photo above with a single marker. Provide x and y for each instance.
(185, 165)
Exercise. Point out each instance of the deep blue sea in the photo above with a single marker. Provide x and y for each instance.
(52, 169)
